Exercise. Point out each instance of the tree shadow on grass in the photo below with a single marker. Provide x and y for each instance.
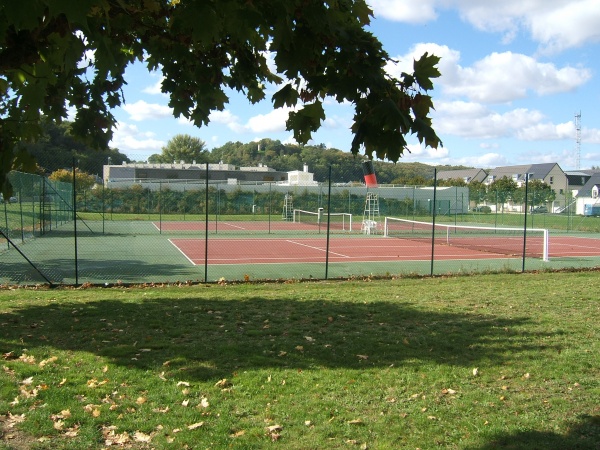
(581, 435)
(212, 338)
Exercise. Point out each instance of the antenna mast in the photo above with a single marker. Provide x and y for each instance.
(578, 139)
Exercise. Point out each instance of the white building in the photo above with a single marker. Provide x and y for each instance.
(300, 178)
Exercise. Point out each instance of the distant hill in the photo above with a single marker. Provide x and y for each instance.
(345, 167)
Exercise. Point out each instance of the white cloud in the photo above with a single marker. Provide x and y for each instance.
(503, 77)
(590, 136)
(223, 117)
(473, 120)
(271, 122)
(417, 152)
(555, 24)
(547, 132)
(155, 88)
(419, 11)
(497, 78)
(135, 143)
(142, 110)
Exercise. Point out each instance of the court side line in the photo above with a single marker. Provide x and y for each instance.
(317, 248)
(181, 251)
(233, 226)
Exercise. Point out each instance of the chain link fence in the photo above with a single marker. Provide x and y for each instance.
(169, 231)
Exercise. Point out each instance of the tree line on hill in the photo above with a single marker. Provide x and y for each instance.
(58, 149)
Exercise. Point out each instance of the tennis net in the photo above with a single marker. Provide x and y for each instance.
(338, 221)
(505, 241)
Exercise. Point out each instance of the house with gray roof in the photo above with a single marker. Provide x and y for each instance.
(588, 196)
(468, 175)
(549, 173)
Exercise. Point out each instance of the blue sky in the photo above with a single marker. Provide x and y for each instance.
(514, 75)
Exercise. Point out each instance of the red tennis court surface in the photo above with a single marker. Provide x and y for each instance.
(352, 249)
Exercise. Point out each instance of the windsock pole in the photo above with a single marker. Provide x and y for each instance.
(369, 172)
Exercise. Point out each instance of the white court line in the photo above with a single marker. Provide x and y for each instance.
(181, 251)
(233, 226)
(317, 248)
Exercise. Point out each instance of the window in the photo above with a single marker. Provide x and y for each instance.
(551, 180)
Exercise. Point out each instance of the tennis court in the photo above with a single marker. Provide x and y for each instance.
(367, 249)
(168, 251)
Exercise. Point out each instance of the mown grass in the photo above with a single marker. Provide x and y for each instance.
(478, 362)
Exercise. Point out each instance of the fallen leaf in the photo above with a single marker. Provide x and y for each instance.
(224, 383)
(355, 422)
(238, 433)
(274, 428)
(475, 371)
(195, 425)
(48, 361)
(204, 402)
(161, 410)
(138, 436)
(185, 402)
(183, 383)
(363, 356)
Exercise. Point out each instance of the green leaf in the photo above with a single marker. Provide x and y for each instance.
(421, 106)
(286, 96)
(363, 12)
(425, 69)
(305, 121)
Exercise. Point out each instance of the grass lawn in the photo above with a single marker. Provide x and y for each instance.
(473, 362)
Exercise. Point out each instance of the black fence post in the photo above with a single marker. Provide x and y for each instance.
(75, 225)
(433, 219)
(328, 226)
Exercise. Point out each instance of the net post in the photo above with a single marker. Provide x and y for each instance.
(546, 256)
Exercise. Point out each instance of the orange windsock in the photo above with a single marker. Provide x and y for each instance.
(369, 172)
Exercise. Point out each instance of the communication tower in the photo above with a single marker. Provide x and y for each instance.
(578, 139)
